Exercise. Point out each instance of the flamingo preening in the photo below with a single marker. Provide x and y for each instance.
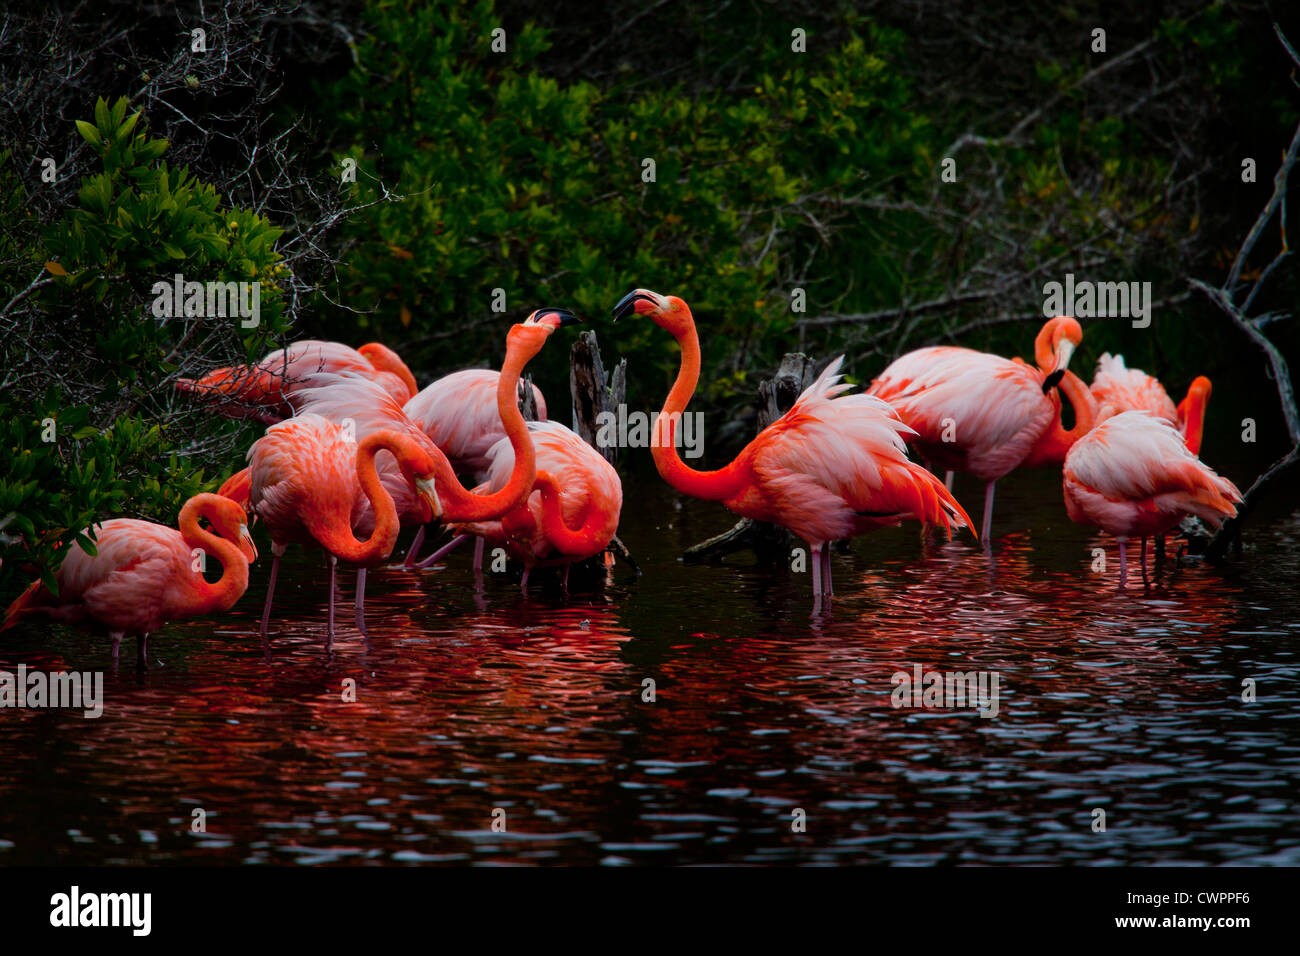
(262, 391)
(572, 513)
(302, 471)
(987, 415)
(1133, 475)
(831, 467)
(145, 574)
(1127, 389)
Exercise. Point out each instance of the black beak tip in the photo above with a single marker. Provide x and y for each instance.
(627, 305)
(1053, 380)
(565, 316)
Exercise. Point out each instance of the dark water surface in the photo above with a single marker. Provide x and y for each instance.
(468, 702)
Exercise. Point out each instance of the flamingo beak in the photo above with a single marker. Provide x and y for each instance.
(426, 489)
(246, 543)
(627, 305)
(566, 317)
(1063, 352)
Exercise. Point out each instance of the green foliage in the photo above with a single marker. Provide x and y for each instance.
(90, 430)
(514, 180)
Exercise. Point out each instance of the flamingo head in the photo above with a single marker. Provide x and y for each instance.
(419, 469)
(1055, 344)
(385, 359)
(666, 311)
(528, 336)
(229, 520)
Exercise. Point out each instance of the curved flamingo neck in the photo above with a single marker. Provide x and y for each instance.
(716, 485)
(338, 538)
(227, 589)
(580, 542)
(1052, 447)
(1191, 413)
(460, 504)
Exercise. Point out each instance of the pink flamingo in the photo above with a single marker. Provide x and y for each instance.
(1134, 475)
(832, 467)
(262, 391)
(1126, 389)
(459, 414)
(987, 415)
(572, 513)
(308, 479)
(292, 456)
(145, 574)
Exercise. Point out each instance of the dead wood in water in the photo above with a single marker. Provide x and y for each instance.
(594, 392)
(1226, 297)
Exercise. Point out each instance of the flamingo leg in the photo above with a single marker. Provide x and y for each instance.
(445, 550)
(270, 593)
(523, 584)
(117, 644)
(333, 564)
(1144, 560)
(987, 527)
(947, 480)
(827, 588)
(1123, 563)
(412, 554)
(479, 545)
(142, 650)
(361, 600)
(564, 581)
(1160, 550)
(817, 578)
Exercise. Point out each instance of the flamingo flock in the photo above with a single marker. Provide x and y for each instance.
(354, 451)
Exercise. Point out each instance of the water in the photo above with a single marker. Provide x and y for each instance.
(469, 702)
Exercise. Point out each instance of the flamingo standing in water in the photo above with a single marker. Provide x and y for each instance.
(1127, 389)
(1133, 475)
(987, 415)
(831, 467)
(459, 414)
(572, 513)
(145, 574)
(262, 391)
(304, 490)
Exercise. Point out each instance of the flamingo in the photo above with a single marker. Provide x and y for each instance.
(311, 507)
(987, 415)
(459, 414)
(831, 467)
(144, 574)
(1134, 475)
(261, 391)
(572, 513)
(1126, 389)
(307, 483)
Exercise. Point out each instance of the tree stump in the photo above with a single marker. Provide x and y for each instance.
(594, 392)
